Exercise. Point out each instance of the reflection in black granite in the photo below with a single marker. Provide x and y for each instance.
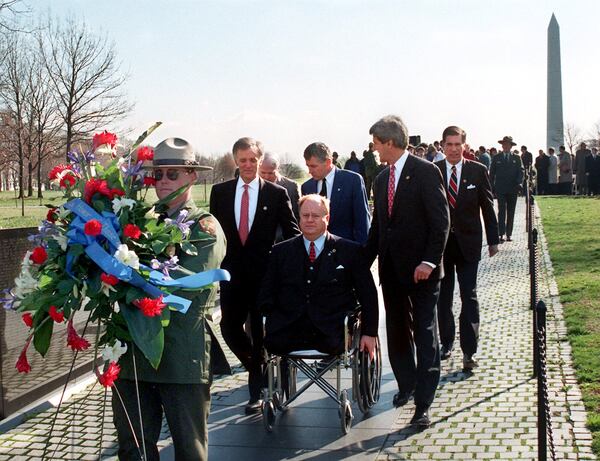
(49, 373)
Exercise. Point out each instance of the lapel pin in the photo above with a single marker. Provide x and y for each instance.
(464, 180)
(265, 208)
(408, 177)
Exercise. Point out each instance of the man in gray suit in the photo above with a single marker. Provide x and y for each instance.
(506, 175)
(269, 171)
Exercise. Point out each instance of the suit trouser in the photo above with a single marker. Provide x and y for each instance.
(186, 407)
(237, 303)
(506, 213)
(411, 326)
(466, 272)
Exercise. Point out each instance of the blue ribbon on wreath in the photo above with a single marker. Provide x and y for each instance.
(109, 264)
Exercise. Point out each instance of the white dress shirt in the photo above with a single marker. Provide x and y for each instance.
(458, 166)
(329, 178)
(252, 202)
(319, 244)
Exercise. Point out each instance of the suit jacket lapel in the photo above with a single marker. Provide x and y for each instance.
(405, 177)
(230, 217)
(464, 178)
(326, 259)
(261, 202)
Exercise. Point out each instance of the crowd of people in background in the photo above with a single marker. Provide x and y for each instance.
(553, 173)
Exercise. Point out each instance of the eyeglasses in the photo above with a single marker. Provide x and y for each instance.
(172, 175)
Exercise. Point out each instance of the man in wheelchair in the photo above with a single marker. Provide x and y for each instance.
(311, 284)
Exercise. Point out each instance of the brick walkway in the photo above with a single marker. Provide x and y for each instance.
(488, 415)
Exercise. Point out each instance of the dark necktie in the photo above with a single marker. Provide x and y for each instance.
(244, 218)
(391, 189)
(453, 188)
(323, 188)
(312, 252)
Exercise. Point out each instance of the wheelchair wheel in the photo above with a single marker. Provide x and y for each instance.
(367, 379)
(268, 414)
(277, 401)
(345, 412)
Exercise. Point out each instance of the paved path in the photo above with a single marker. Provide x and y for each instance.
(488, 415)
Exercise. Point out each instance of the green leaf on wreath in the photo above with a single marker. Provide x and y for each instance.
(65, 286)
(147, 333)
(158, 247)
(166, 317)
(188, 248)
(41, 338)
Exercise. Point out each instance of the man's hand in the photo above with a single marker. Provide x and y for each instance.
(493, 249)
(422, 272)
(370, 344)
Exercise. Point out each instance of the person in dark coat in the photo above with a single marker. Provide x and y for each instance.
(542, 163)
(312, 282)
(408, 235)
(506, 175)
(469, 197)
(592, 170)
(250, 210)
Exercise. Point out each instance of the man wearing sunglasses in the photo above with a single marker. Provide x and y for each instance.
(180, 387)
(250, 209)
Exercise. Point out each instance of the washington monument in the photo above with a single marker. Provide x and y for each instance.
(554, 120)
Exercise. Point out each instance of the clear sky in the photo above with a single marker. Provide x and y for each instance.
(293, 72)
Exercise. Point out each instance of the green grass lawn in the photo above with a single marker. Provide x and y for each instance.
(572, 229)
(10, 208)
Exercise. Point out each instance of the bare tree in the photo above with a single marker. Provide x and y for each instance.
(572, 136)
(86, 77)
(9, 11)
(594, 135)
(13, 93)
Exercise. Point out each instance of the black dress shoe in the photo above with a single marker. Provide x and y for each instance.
(508, 238)
(253, 406)
(501, 239)
(402, 398)
(446, 352)
(421, 417)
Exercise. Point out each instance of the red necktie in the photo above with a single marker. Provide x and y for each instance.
(312, 253)
(453, 188)
(391, 189)
(244, 227)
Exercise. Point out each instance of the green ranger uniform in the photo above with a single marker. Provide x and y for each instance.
(181, 384)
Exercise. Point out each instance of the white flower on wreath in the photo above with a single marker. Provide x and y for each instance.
(62, 213)
(151, 214)
(25, 283)
(114, 352)
(105, 288)
(62, 241)
(127, 256)
(119, 203)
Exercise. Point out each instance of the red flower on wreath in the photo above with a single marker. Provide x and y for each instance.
(116, 193)
(74, 341)
(92, 228)
(55, 172)
(39, 255)
(108, 378)
(145, 153)
(149, 181)
(132, 231)
(104, 138)
(22, 364)
(51, 215)
(68, 180)
(58, 317)
(96, 186)
(27, 319)
(109, 279)
(150, 307)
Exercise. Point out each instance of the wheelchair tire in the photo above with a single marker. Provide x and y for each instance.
(367, 379)
(345, 412)
(268, 414)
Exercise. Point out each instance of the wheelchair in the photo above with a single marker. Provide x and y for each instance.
(281, 390)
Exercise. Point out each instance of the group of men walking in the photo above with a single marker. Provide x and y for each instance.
(425, 231)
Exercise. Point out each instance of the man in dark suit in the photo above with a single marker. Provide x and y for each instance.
(469, 195)
(249, 210)
(592, 171)
(345, 189)
(506, 175)
(312, 281)
(269, 171)
(408, 233)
